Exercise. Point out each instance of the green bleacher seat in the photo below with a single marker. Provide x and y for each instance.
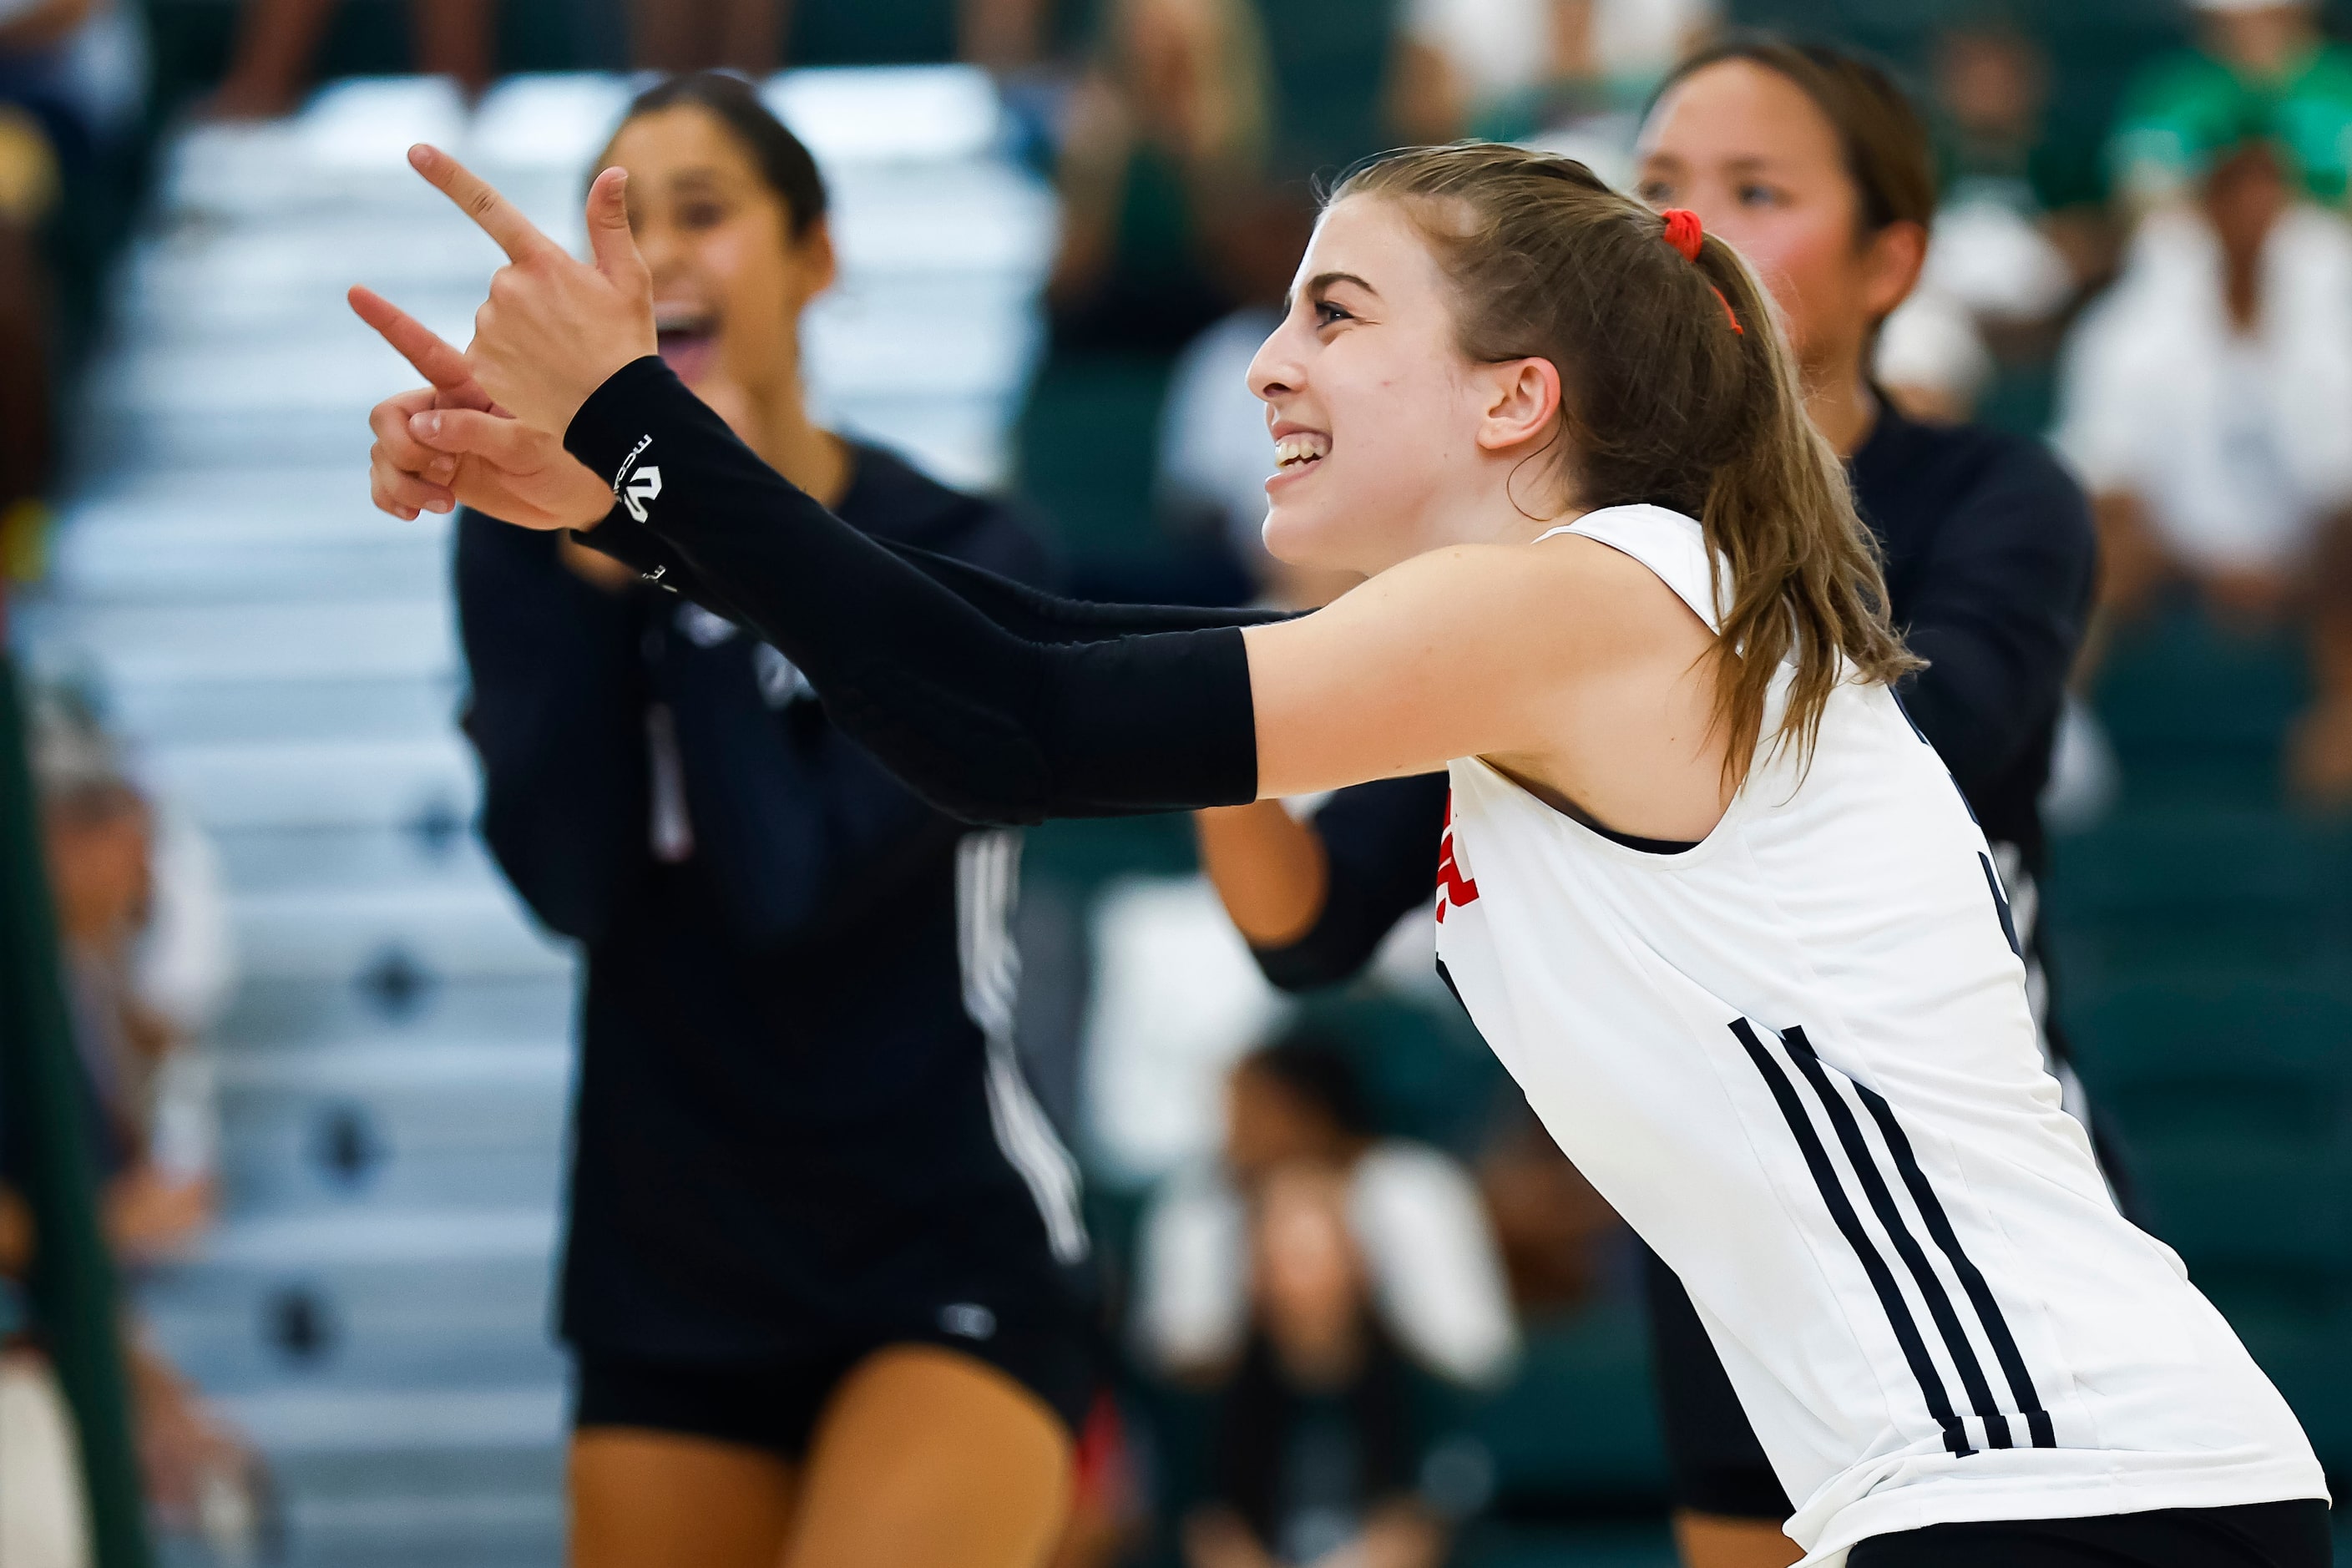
(2271, 1054)
(2188, 889)
(1426, 1072)
(2220, 863)
(1607, 1543)
(2196, 711)
(873, 32)
(1575, 1431)
(1087, 448)
(2233, 1102)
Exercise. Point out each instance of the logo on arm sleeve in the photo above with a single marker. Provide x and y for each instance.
(635, 486)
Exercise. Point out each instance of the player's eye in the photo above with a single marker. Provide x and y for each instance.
(1327, 314)
(698, 216)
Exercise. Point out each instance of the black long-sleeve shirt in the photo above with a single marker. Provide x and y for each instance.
(1990, 556)
(784, 1132)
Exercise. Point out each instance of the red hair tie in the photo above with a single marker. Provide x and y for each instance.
(1684, 232)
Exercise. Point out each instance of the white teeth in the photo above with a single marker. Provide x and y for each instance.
(1304, 448)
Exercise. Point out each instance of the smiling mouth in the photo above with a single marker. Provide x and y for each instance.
(1296, 454)
(689, 344)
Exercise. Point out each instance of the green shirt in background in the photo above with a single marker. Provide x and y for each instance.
(2185, 108)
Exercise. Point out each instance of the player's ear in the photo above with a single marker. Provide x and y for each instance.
(819, 265)
(1521, 399)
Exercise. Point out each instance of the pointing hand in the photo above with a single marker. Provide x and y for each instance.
(553, 328)
(448, 443)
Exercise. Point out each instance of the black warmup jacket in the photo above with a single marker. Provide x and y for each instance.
(783, 1137)
(1989, 558)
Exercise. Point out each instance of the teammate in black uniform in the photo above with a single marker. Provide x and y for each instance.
(815, 1270)
(1815, 166)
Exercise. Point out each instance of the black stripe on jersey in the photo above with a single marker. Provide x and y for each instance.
(1972, 1280)
(2000, 902)
(1849, 1224)
(1906, 1245)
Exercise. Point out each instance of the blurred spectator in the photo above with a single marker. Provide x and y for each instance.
(678, 36)
(1161, 160)
(1428, 1254)
(1931, 359)
(1998, 247)
(755, 36)
(129, 911)
(1316, 1457)
(1991, 86)
(2001, 268)
(1558, 1237)
(2206, 401)
(2257, 59)
(28, 189)
(43, 1514)
(141, 923)
(276, 40)
(1507, 68)
(77, 66)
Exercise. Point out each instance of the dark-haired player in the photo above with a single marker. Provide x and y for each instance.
(814, 1269)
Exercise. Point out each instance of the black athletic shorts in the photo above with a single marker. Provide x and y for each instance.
(1714, 1463)
(774, 1406)
(2257, 1535)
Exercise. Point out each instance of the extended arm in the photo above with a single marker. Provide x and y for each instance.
(988, 725)
(1027, 613)
(1434, 659)
(1539, 659)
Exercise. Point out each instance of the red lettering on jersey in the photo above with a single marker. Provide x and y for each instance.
(1454, 889)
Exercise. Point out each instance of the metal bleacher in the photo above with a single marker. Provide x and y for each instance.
(373, 1311)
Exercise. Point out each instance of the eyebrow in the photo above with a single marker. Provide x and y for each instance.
(1745, 163)
(1322, 282)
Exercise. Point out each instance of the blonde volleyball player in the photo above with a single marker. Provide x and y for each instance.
(1619, 591)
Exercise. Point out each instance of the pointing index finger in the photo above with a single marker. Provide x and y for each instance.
(498, 217)
(434, 360)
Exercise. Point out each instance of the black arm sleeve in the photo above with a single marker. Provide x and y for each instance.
(1999, 614)
(1379, 841)
(1027, 613)
(988, 725)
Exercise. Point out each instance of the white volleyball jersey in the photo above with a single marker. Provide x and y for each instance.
(1799, 1060)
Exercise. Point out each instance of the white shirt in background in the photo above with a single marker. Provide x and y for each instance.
(1500, 49)
(1436, 1275)
(2237, 445)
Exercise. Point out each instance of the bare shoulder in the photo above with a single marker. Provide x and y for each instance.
(1568, 592)
(1505, 650)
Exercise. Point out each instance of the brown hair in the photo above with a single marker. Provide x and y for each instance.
(784, 161)
(1662, 401)
(1888, 154)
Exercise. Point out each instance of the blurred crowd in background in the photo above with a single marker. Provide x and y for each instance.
(1358, 1296)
